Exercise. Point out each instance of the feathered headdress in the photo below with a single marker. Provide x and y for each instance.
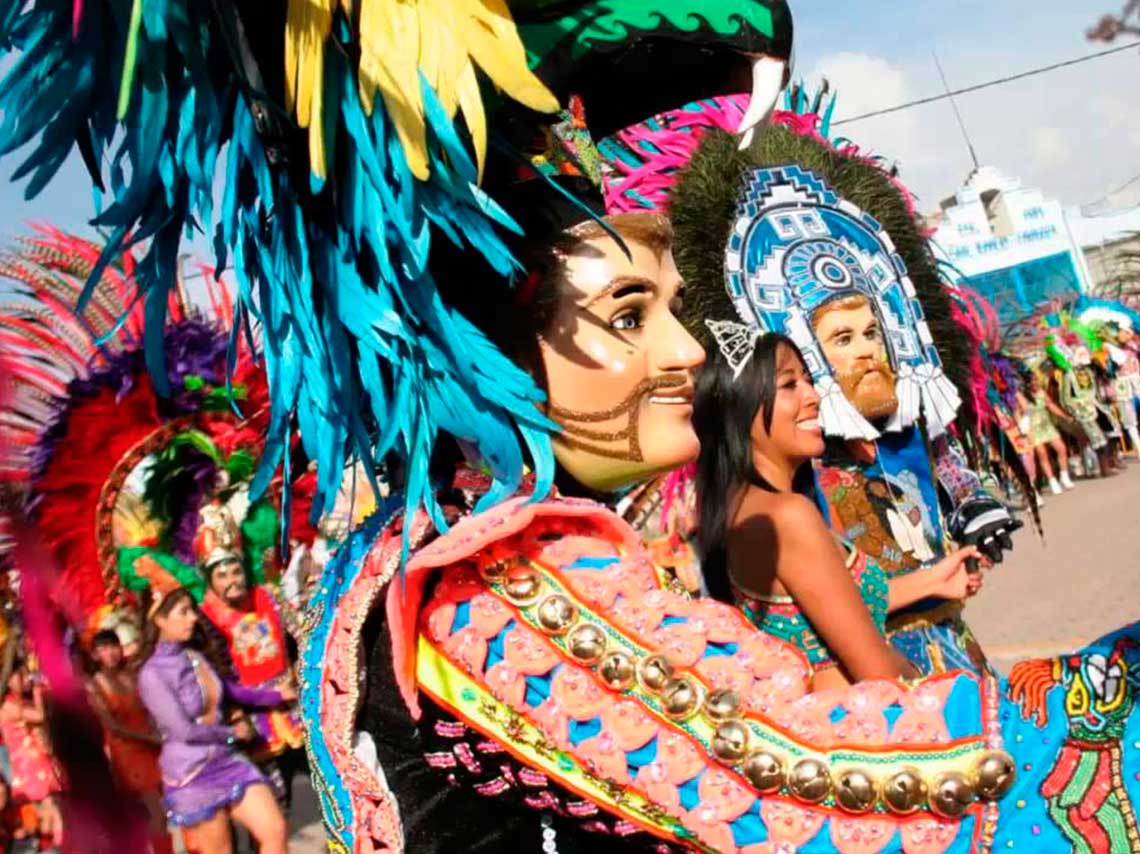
(722, 189)
(345, 168)
(85, 435)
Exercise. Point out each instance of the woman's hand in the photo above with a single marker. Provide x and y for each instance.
(288, 693)
(949, 578)
(243, 731)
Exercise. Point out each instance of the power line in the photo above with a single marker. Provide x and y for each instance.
(989, 83)
(1111, 193)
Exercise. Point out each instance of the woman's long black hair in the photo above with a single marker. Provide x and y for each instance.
(203, 641)
(724, 410)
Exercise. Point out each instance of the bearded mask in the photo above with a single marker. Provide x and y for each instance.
(851, 338)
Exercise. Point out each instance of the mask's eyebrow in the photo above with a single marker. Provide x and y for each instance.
(622, 286)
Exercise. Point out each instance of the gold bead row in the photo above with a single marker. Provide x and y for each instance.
(855, 790)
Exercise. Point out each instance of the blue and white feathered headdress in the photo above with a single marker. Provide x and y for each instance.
(795, 245)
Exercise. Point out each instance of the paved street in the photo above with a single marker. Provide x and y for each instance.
(1048, 597)
(1080, 582)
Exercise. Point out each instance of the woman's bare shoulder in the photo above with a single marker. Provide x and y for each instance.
(783, 508)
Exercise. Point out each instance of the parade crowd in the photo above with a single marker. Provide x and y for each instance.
(239, 742)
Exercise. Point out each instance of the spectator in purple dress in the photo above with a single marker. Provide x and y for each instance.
(206, 779)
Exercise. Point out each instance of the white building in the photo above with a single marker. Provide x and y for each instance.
(1020, 249)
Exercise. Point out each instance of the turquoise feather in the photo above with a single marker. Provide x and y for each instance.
(361, 353)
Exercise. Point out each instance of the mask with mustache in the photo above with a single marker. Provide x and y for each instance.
(871, 388)
(623, 443)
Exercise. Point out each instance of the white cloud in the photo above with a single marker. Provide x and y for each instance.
(924, 142)
(1049, 148)
(1074, 133)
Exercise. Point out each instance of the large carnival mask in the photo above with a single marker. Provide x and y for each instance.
(777, 248)
(618, 363)
(807, 263)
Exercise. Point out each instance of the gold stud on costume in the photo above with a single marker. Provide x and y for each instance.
(856, 791)
(730, 742)
(723, 705)
(522, 584)
(680, 698)
(764, 770)
(951, 794)
(810, 781)
(495, 570)
(587, 643)
(905, 792)
(555, 614)
(995, 774)
(655, 673)
(617, 670)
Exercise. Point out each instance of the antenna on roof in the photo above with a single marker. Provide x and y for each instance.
(957, 114)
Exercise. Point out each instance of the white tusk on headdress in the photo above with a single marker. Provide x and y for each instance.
(767, 83)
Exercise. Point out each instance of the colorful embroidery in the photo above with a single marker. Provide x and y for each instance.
(650, 734)
(1084, 790)
(780, 617)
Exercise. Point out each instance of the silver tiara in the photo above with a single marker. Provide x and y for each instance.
(736, 341)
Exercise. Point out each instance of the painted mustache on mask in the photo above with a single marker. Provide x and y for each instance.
(583, 438)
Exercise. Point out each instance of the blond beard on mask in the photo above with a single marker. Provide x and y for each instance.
(871, 389)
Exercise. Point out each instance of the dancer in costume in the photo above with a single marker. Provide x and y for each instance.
(252, 627)
(1040, 410)
(1122, 364)
(89, 438)
(132, 742)
(764, 543)
(36, 781)
(1080, 395)
(206, 780)
(540, 661)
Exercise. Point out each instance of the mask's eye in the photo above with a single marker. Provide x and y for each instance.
(627, 321)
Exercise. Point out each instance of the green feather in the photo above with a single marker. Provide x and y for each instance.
(259, 535)
(129, 60)
(186, 575)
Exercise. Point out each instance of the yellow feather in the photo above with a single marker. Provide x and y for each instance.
(399, 39)
(471, 103)
(389, 62)
(495, 46)
(307, 28)
(131, 522)
(439, 61)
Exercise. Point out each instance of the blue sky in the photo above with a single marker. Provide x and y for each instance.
(1075, 132)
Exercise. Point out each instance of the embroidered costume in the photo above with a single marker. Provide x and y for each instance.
(134, 762)
(780, 617)
(256, 643)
